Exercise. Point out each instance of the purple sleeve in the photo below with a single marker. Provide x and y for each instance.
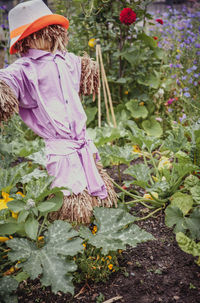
(17, 79)
(11, 75)
(74, 63)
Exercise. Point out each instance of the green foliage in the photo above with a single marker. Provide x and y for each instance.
(7, 286)
(60, 240)
(114, 230)
(188, 245)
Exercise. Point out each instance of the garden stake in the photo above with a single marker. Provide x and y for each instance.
(99, 89)
(105, 84)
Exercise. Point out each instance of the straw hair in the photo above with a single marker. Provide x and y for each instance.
(50, 38)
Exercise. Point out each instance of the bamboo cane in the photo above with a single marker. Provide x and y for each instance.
(99, 89)
(104, 92)
(104, 79)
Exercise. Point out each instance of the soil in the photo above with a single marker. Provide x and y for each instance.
(155, 271)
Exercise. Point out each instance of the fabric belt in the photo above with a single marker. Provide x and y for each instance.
(64, 147)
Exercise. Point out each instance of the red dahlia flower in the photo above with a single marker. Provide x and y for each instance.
(159, 21)
(127, 16)
(155, 38)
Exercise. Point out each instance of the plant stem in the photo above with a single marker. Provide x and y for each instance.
(119, 173)
(150, 215)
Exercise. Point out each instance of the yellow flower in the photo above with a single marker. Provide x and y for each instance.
(110, 266)
(19, 193)
(155, 178)
(14, 215)
(164, 163)
(84, 245)
(148, 196)
(102, 259)
(120, 251)
(136, 149)
(141, 103)
(40, 238)
(109, 257)
(4, 239)
(94, 230)
(9, 271)
(5, 200)
(126, 92)
(92, 42)
(178, 50)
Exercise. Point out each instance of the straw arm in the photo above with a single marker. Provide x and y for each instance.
(8, 102)
(89, 82)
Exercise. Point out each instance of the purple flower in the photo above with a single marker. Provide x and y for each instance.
(195, 83)
(191, 80)
(184, 77)
(197, 45)
(186, 89)
(189, 70)
(187, 95)
(196, 75)
(178, 57)
(183, 117)
(170, 110)
(194, 67)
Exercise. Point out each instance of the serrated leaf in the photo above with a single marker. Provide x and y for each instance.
(117, 155)
(140, 172)
(36, 189)
(183, 201)
(191, 181)
(10, 176)
(113, 231)
(31, 228)
(35, 174)
(48, 261)
(174, 217)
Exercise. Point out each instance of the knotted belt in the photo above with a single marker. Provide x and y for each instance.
(64, 147)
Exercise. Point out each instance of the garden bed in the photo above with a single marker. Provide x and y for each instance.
(155, 271)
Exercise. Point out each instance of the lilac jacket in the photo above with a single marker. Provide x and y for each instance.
(47, 87)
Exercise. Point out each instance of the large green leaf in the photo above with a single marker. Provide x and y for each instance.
(149, 41)
(136, 110)
(114, 231)
(108, 134)
(175, 218)
(152, 127)
(60, 240)
(183, 201)
(10, 228)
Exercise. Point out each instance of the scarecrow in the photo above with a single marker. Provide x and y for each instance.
(44, 85)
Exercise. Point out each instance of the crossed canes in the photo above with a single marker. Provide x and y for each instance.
(106, 90)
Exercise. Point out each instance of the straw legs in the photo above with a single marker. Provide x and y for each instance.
(79, 207)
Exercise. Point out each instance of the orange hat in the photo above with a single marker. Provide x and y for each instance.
(29, 17)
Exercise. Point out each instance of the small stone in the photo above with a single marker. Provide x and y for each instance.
(176, 297)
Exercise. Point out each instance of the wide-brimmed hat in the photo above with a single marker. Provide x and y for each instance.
(29, 17)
